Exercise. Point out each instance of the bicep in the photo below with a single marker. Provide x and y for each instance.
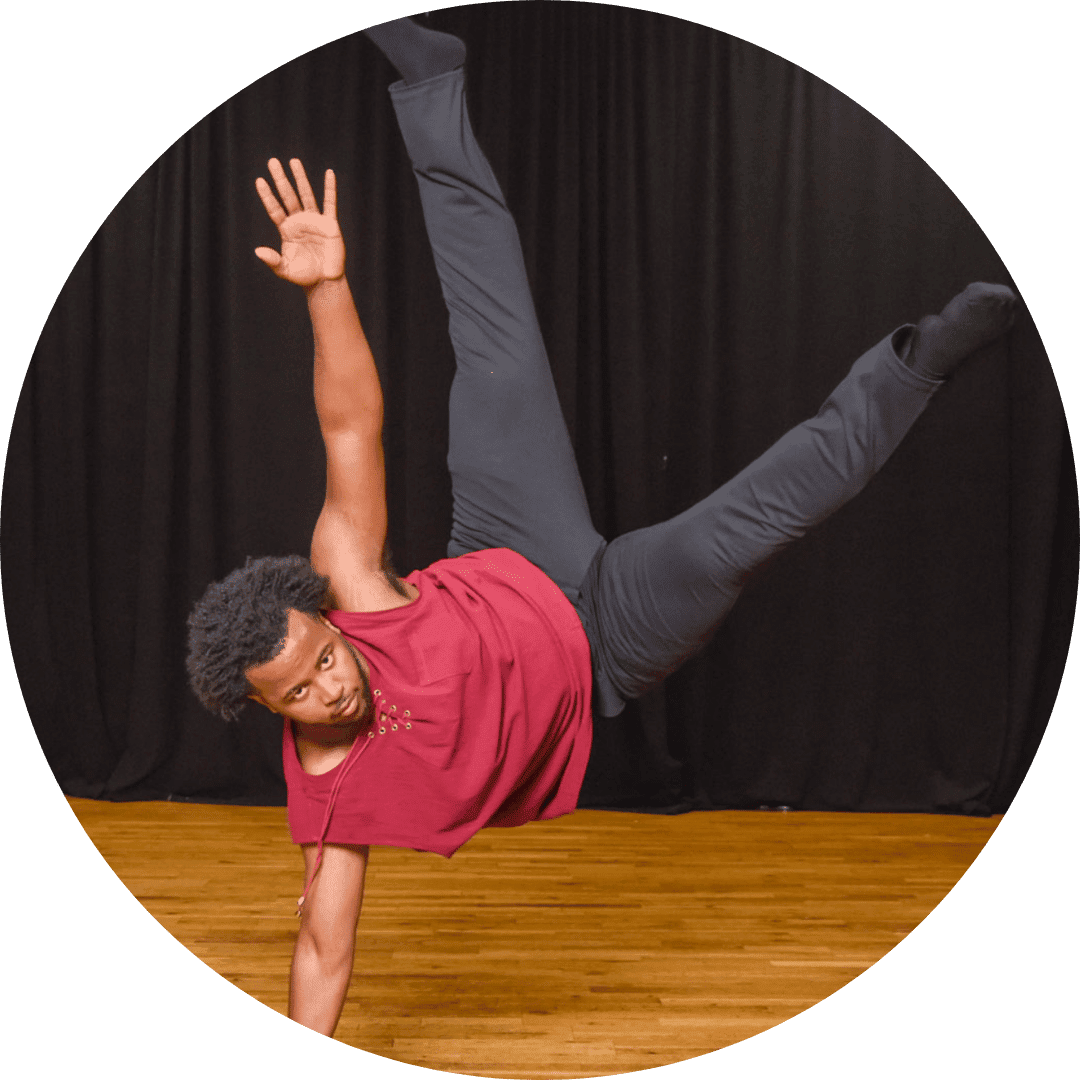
(350, 535)
(356, 485)
(332, 907)
(351, 556)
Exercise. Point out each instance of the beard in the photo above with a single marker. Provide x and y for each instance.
(365, 685)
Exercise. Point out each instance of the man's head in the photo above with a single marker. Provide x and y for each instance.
(316, 678)
(246, 621)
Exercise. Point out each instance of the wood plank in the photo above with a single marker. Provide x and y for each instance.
(594, 944)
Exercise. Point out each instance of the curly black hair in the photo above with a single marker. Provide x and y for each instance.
(242, 622)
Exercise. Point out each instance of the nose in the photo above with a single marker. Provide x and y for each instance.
(331, 690)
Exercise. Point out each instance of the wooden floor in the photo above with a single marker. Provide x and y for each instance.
(595, 944)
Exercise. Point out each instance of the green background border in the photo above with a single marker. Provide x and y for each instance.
(93, 93)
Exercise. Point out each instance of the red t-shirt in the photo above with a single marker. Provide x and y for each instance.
(482, 690)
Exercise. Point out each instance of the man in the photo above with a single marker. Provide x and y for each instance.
(418, 711)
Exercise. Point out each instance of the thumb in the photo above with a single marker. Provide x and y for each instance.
(268, 256)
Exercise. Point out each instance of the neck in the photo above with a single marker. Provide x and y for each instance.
(330, 735)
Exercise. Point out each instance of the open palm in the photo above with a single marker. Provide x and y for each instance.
(312, 249)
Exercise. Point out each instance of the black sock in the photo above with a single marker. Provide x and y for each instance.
(974, 318)
(417, 52)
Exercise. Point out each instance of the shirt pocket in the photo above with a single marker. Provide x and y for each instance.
(449, 647)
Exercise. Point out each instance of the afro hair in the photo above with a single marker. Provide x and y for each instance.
(242, 622)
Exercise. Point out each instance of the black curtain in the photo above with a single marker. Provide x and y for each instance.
(713, 237)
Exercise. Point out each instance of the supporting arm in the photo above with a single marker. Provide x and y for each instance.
(325, 944)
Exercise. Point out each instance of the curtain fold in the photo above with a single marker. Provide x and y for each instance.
(713, 237)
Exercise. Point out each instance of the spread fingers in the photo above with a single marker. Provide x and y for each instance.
(284, 188)
(330, 194)
(307, 196)
(273, 207)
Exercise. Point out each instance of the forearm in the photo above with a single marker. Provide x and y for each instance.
(318, 985)
(348, 396)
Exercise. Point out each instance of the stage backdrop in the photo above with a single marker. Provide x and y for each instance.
(713, 237)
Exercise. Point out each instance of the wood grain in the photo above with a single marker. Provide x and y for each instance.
(594, 944)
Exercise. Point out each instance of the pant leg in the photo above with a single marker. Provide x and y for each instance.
(653, 597)
(515, 478)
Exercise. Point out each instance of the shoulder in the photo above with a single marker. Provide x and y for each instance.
(358, 582)
(378, 591)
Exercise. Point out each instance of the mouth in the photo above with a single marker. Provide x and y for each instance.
(348, 707)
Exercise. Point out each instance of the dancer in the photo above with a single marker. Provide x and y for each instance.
(419, 710)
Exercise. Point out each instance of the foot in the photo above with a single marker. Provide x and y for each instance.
(979, 315)
(417, 52)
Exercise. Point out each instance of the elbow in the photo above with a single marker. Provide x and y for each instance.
(353, 450)
(365, 423)
(330, 952)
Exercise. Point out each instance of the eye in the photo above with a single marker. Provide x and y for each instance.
(326, 660)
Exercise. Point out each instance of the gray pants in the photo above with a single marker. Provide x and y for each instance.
(651, 598)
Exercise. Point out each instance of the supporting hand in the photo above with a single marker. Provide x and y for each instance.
(312, 249)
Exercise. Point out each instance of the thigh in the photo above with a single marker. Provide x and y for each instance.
(655, 599)
(515, 478)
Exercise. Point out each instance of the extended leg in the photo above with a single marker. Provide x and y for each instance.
(657, 594)
(515, 479)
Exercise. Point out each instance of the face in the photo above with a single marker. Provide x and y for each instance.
(317, 678)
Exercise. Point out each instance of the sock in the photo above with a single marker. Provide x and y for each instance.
(416, 51)
(974, 318)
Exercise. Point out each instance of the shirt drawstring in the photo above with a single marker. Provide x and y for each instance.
(348, 764)
(384, 716)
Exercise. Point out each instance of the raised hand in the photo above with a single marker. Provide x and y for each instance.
(312, 249)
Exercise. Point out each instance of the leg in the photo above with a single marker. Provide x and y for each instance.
(515, 478)
(653, 597)
(656, 595)
(969, 320)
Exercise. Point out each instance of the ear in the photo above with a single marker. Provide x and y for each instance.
(327, 623)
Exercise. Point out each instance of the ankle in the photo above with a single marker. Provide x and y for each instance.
(971, 320)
